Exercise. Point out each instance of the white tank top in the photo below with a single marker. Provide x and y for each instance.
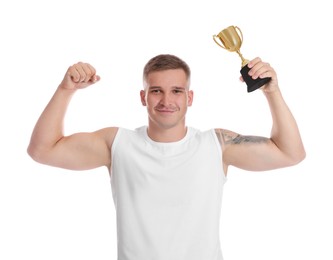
(167, 196)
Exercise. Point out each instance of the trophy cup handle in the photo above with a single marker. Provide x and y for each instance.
(214, 37)
(241, 34)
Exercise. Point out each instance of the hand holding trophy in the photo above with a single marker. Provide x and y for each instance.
(232, 41)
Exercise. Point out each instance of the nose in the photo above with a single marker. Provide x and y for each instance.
(166, 99)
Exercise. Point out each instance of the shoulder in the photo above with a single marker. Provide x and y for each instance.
(107, 134)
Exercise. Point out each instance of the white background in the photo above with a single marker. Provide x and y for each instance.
(50, 213)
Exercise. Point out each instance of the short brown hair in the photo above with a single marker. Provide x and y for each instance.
(165, 62)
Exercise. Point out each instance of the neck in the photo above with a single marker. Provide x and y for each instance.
(166, 135)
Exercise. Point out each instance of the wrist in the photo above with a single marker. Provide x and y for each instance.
(271, 90)
(273, 95)
(67, 88)
(65, 92)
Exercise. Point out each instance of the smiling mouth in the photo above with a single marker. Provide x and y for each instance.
(165, 110)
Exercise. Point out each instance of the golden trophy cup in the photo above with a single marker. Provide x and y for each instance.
(231, 39)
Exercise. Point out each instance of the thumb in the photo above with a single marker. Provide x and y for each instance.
(96, 78)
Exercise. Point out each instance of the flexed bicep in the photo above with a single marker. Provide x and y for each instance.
(249, 152)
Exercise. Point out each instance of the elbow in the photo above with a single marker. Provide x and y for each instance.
(32, 152)
(297, 157)
(301, 155)
(35, 153)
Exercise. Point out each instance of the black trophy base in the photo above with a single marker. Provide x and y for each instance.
(252, 84)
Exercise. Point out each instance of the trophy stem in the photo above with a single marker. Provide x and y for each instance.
(244, 61)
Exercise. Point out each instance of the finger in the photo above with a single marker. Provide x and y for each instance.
(259, 69)
(89, 72)
(74, 74)
(253, 62)
(93, 77)
(267, 74)
(80, 68)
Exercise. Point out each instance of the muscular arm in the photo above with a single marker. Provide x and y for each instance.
(79, 151)
(253, 153)
(283, 148)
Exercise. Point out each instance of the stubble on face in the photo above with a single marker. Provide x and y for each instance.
(166, 95)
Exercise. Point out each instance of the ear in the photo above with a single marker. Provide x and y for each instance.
(143, 97)
(190, 98)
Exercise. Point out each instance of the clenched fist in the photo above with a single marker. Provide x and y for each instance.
(79, 75)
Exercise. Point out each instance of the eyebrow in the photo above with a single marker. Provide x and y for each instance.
(174, 87)
(179, 88)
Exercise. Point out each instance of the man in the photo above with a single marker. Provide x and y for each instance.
(167, 178)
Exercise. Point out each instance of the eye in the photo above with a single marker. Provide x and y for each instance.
(178, 91)
(155, 91)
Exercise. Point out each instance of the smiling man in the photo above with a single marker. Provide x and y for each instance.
(167, 95)
(167, 178)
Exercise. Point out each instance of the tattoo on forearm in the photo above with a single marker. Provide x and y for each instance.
(247, 139)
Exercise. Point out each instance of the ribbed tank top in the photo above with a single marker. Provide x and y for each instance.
(167, 196)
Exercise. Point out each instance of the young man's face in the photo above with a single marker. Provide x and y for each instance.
(167, 97)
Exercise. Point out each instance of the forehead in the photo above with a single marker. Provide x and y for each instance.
(172, 77)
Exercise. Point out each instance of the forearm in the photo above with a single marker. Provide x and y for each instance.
(285, 133)
(49, 127)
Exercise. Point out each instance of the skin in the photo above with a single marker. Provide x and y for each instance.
(166, 96)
